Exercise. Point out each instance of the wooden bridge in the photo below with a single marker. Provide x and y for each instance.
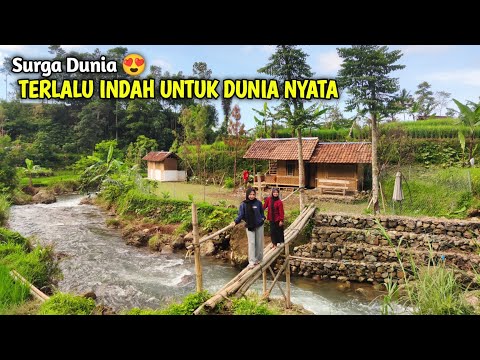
(240, 283)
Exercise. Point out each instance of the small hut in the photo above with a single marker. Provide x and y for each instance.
(336, 167)
(162, 166)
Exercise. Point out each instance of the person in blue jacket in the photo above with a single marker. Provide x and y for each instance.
(251, 211)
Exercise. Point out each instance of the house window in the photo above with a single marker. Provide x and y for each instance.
(290, 168)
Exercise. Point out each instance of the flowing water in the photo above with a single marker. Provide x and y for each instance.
(123, 276)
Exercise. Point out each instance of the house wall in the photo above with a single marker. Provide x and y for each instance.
(339, 172)
(170, 164)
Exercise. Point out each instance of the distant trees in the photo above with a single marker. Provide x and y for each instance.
(425, 100)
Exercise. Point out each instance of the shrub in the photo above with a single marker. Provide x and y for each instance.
(11, 292)
(67, 304)
(251, 305)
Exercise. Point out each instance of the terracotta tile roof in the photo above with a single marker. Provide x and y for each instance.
(280, 149)
(158, 156)
(345, 153)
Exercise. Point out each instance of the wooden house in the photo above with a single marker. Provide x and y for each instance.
(162, 166)
(337, 167)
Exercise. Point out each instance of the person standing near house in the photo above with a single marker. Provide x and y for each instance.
(275, 215)
(245, 175)
(251, 211)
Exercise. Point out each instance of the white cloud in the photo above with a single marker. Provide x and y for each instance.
(164, 64)
(269, 49)
(9, 48)
(424, 49)
(465, 76)
(328, 63)
(72, 47)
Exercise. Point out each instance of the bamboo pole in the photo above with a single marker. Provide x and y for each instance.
(198, 264)
(383, 197)
(33, 290)
(281, 290)
(267, 294)
(264, 275)
(248, 276)
(211, 236)
(287, 275)
(290, 194)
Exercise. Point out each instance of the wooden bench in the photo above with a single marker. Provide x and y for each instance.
(332, 186)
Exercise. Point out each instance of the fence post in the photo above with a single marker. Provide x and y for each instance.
(287, 274)
(196, 244)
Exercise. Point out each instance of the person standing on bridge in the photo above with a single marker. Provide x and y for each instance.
(275, 215)
(251, 211)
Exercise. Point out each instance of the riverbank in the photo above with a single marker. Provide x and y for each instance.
(96, 258)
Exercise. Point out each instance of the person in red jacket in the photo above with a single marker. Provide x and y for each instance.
(276, 216)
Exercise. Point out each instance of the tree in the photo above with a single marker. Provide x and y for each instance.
(470, 118)
(364, 72)
(194, 120)
(286, 64)
(236, 134)
(226, 107)
(442, 99)
(425, 100)
(405, 101)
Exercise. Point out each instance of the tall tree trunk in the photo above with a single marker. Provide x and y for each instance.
(376, 206)
(235, 167)
(301, 170)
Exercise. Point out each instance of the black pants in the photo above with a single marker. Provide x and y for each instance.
(276, 233)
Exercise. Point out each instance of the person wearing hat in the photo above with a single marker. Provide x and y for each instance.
(275, 215)
(251, 211)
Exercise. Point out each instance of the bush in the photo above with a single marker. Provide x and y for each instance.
(37, 266)
(11, 292)
(13, 237)
(67, 304)
(229, 183)
(251, 305)
(4, 208)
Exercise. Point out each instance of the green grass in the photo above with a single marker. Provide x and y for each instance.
(252, 305)
(189, 304)
(432, 192)
(181, 191)
(11, 292)
(67, 304)
(60, 176)
(436, 292)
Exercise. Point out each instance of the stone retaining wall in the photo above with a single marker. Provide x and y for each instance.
(351, 247)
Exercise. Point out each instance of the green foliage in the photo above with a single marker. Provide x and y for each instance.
(438, 192)
(189, 304)
(37, 266)
(172, 211)
(229, 183)
(436, 292)
(364, 72)
(251, 305)
(4, 209)
(11, 292)
(136, 151)
(433, 289)
(165, 195)
(8, 173)
(138, 311)
(67, 304)
(217, 219)
(13, 237)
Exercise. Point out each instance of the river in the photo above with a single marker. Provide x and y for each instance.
(97, 259)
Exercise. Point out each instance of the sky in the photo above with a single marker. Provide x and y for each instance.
(451, 68)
